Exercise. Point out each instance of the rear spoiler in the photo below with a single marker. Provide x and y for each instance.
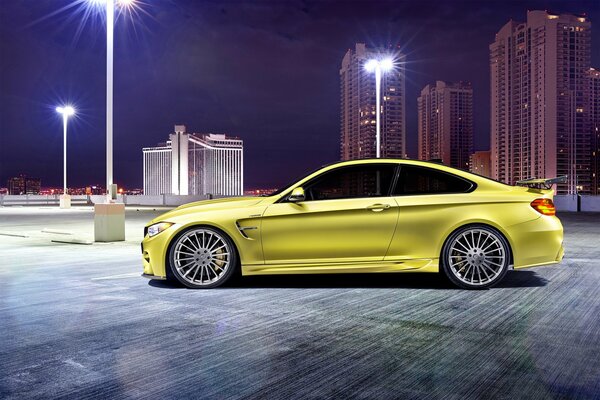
(542, 183)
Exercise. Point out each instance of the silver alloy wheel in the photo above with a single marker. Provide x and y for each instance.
(477, 256)
(201, 256)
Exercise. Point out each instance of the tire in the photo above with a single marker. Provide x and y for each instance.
(475, 257)
(202, 257)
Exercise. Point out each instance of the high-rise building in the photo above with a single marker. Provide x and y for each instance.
(480, 163)
(446, 123)
(24, 184)
(594, 110)
(358, 128)
(539, 92)
(195, 164)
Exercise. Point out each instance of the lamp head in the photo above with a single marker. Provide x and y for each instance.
(66, 111)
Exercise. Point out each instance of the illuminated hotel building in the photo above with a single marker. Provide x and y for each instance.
(594, 82)
(358, 129)
(194, 164)
(446, 123)
(539, 94)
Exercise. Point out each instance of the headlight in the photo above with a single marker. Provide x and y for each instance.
(155, 229)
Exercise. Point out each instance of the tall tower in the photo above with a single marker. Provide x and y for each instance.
(446, 123)
(539, 92)
(594, 110)
(358, 106)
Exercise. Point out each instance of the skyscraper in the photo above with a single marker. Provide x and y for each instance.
(480, 163)
(446, 123)
(539, 92)
(24, 184)
(358, 106)
(594, 110)
(194, 164)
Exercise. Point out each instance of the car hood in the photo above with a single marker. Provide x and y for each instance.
(209, 205)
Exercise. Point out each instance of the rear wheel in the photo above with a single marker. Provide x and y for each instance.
(202, 258)
(476, 257)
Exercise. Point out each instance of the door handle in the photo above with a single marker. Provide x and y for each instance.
(378, 207)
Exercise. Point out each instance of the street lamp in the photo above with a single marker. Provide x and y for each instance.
(378, 66)
(109, 6)
(66, 112)
(109, 218)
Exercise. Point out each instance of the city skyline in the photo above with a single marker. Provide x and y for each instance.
(283, 99)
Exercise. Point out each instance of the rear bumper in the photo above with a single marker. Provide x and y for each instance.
(537, 242)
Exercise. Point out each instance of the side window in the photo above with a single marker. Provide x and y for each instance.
(421, 180)
(370, 180)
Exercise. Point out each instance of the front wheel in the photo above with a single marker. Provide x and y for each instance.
(202, 258)
(475, 257)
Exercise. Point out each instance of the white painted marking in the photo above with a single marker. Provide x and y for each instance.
(46, 230)
(120, 276)
(13, 234)
(72, 241)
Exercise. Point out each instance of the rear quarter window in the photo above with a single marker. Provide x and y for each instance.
(415, 180)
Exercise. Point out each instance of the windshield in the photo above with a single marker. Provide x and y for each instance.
(292, 183)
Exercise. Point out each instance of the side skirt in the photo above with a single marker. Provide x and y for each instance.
(418, 265)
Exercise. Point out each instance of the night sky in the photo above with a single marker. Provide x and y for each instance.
(264, 71)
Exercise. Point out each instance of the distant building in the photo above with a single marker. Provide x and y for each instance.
(23, 184)
(259, 192)
(194, 164)
(358, 128)
(540, 90)
(594, 80)
(446, 123)
(481, 163)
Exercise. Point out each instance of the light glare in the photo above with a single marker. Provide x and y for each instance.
(371, 65)
(124, 3)
(66, 110)
(386, 64)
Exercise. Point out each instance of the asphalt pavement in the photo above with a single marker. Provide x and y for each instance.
(78, 321)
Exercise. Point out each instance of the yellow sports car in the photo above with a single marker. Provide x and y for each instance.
(376, 215)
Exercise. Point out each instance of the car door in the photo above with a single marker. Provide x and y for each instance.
(348, 215)
(430, 201)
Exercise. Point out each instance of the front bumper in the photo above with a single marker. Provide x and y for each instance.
(160, 278)
(154, 256)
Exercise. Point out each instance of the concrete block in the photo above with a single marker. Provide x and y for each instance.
(65, 201)
(109, 222)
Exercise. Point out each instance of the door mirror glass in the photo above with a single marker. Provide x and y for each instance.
(297, 195)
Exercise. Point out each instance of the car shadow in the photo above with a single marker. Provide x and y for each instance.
(513, 279)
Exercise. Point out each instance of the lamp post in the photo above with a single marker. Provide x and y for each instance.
(110, 26)
(379, 66)
(109, 218)
(66, 112)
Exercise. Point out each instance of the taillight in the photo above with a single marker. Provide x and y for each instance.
(544, 206)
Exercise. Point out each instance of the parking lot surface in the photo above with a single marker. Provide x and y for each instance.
(78, 321)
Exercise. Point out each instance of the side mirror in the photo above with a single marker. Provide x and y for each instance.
(297, 195)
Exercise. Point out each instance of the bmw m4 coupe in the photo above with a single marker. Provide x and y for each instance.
(375, 215)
